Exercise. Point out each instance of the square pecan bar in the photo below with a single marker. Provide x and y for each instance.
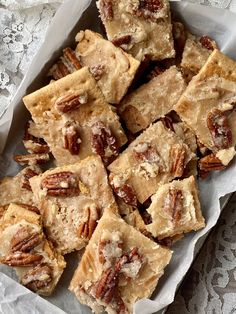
(153, 100)
(155, 157)
(119, 267)
(75, 120)
(71, 200)
(195, 54)
(141, 27)
(112, 68)
(18, 190)
(175, 209)
(208, 106)
(24, 246)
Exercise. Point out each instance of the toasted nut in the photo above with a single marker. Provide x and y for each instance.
(210, 162)
(173, 204)
(208, 43)
(97, 71)
(58, 70)
(62, 184)
(71, 137)
(106, 10)
(148, 8)
(177, 160)
(70, 60)
(24, 240)
(34, 144)
(37, 278)
(123, 189)
(28, 173)
(123, 40)
(21, 259)
(104, 142)
(32, 159)
(168, 123)
(218, 125)
(70, 102)
(86, 228)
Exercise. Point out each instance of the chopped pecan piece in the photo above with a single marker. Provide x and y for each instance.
(218, 125)
(168, 123)
(106, 10)
(177, 160)
(72, 138)
(21, 259)
(173, 204)
(28, 173)
(146, 152)
(207, 43)
(37, 278)
(70, 102)
(104, 142)
(123, 190)
(210, 162)
(86, 228)
(62, 184)
(97, 71)
(25, 241)
(123, 40)
(32, 159)
(34, 144)
(148, 8)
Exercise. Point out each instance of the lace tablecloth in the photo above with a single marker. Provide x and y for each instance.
(210, 286)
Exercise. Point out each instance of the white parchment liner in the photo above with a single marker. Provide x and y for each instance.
(14, 298)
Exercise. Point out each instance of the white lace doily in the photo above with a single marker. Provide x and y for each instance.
(210, 286)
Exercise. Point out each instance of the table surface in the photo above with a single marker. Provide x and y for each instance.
(210, 285)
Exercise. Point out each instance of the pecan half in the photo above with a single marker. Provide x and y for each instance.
(123, 189)
(70, 60)
(218, 125)
(123, 40)
(148, 8)
(72, 138)
(207, 43)
(37, 278)
(106, 10)
(177, 160)
(62, 184)
(34, 144)
(210, 162)
(173, 204)
(146, 152)
(28, 173)
(104, 142)
(25, 241)
(97, 71)
(58, 70)
(168, 123)
(86, 228)
(70, 102)
(21, 259)
(32, 159)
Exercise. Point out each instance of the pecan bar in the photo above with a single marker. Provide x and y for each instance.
(24, 246)
(155, 157)
(208, 106)
(141, 27)
(74, 119)
(112, 68)
(119, 267)
(175, 209)
(17, 189)
(195, 54)
(153, 100)
(71, 200)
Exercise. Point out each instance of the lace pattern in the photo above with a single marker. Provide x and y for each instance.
(210, 285)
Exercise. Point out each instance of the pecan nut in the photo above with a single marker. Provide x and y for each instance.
(86, 228)
(106, 10)
(177, 160)
(70, 60)
(148, 8)
(21, 259)
(168, 123)
(58, 70)
(207, 43)
(72, 138)
(70, 102)
(209, 163)
(62, 184)
(97, 71)
(31, 159)
(30, 207)
(37, 278)
(25, 241)
(123, 40)
(28, 174)
(104, 142)
(173, 204)
(123, 190)
(218, 125)
(34, 144)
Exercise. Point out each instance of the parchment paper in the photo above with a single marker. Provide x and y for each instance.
(14, 298)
